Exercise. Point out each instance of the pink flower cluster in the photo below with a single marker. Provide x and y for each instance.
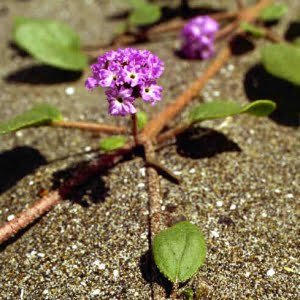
(127, 74)
(198, 37)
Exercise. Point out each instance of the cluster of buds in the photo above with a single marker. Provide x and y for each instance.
(198, 37)
(127, 74)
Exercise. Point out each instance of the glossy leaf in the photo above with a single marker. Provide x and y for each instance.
(179, 251)
(283, 61)
(145, 14)
(222, 109)
(42, 114)
(142, 119)
(112, 143)
(51, 42)
(252, 29)
(273, 12)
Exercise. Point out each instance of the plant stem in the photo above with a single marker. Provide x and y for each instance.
(171, 133)
(26, 217)
(134, 128)
(240, 4)
(89, 126)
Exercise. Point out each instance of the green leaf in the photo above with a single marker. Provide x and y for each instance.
(142, 119)
(252, 29)
(222, 109)
(136, 3)
(41, 114)
(283, 61)
(273, 12)
(260, 108)
(51, 42)
(112, 143)
(179, 251)
(145, 14)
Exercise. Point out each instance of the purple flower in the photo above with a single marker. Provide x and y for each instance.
(127, 74)
(151, 92)
(198, 37)
(120, 101)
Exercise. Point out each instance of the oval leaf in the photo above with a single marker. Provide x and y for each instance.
(260, 108)
(283, 61)
(179, 251)
(252, 29)
(222, 109)
(273, 12)
(142, 119)
(42, 114)
(50, 42)
(112, 143)
(145, 14)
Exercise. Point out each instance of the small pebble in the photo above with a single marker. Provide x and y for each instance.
(70, 91)
(289, 196)
(215, 234)
(232, 207)
(87, 148)
(96, 292)
(141, 185)
(10, 217)
(247, 274)
(102, 266)
(116, 273)
(271, 272)
(219, 203)
(19, 134)
(192, 171)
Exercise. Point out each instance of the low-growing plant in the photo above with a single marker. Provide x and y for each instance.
(131, 75)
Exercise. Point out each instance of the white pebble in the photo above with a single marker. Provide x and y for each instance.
(102, 266)
(96, 292)
(216, 93)
(70, 91)
(10, 217)
(230, 67)
(31, 182)
(271, 272)
(215, 234)
(41, 254)
(247, 274)
(87, 148)
(19, 133)
(264, 214)
(192, 171)
(116, 273)
(232, 207)
(177, 172)
(289, 196)
(45, 292)
(143, 171)
(219, 203)
(277, 191)
(141, 185)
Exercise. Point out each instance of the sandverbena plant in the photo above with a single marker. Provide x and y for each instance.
(130, 75)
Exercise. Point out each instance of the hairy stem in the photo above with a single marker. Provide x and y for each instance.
(104, 128)
(134, 128)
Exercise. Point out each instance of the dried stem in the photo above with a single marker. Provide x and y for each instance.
(273, 37)
(240, 4)
(171, 133)
(103, 128)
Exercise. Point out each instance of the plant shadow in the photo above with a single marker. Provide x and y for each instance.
(17, 163)
(259, 84)
(293, 31)
(92, 191)
(42, 74)
(151, 274)
(200, 142)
